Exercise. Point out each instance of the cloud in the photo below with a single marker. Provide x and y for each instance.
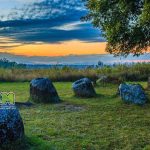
(49, 31)
(69, 26)
(49, 21)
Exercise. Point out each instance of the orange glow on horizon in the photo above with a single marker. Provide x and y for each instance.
(60, 49)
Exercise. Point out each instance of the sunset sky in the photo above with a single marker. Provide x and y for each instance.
(47, 28)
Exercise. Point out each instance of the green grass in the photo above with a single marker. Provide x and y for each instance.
(101, 123)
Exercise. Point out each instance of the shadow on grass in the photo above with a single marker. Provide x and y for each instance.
(80, 97)
(30, 102)
(28, 143)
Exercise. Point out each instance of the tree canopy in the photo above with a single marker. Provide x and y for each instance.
(125, 24)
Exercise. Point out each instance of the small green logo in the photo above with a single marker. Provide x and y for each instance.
(7, 98)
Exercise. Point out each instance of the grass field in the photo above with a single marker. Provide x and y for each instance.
(101, 123)
(124, 72)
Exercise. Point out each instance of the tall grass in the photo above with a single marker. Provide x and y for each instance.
(136, 72)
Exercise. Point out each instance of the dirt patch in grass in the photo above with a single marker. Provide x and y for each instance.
(69, 107)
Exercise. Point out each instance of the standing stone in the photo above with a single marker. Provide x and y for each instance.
(11, 124)
(83, 88)
(132, 93)
(43, 90)
(102, 80)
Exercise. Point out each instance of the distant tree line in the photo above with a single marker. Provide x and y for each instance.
(5, 63)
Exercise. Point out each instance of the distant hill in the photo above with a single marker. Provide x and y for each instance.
(75, 59)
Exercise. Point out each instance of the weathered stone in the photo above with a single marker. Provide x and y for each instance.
(132, 93)
(43, 90)
(83, 88)
(11, 124)
(103, 79)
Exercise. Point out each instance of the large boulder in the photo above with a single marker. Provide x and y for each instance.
(83, 88)
(43, 90)
(132, 93)
(11, 124)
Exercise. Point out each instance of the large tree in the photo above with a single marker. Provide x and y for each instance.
(125, 24)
